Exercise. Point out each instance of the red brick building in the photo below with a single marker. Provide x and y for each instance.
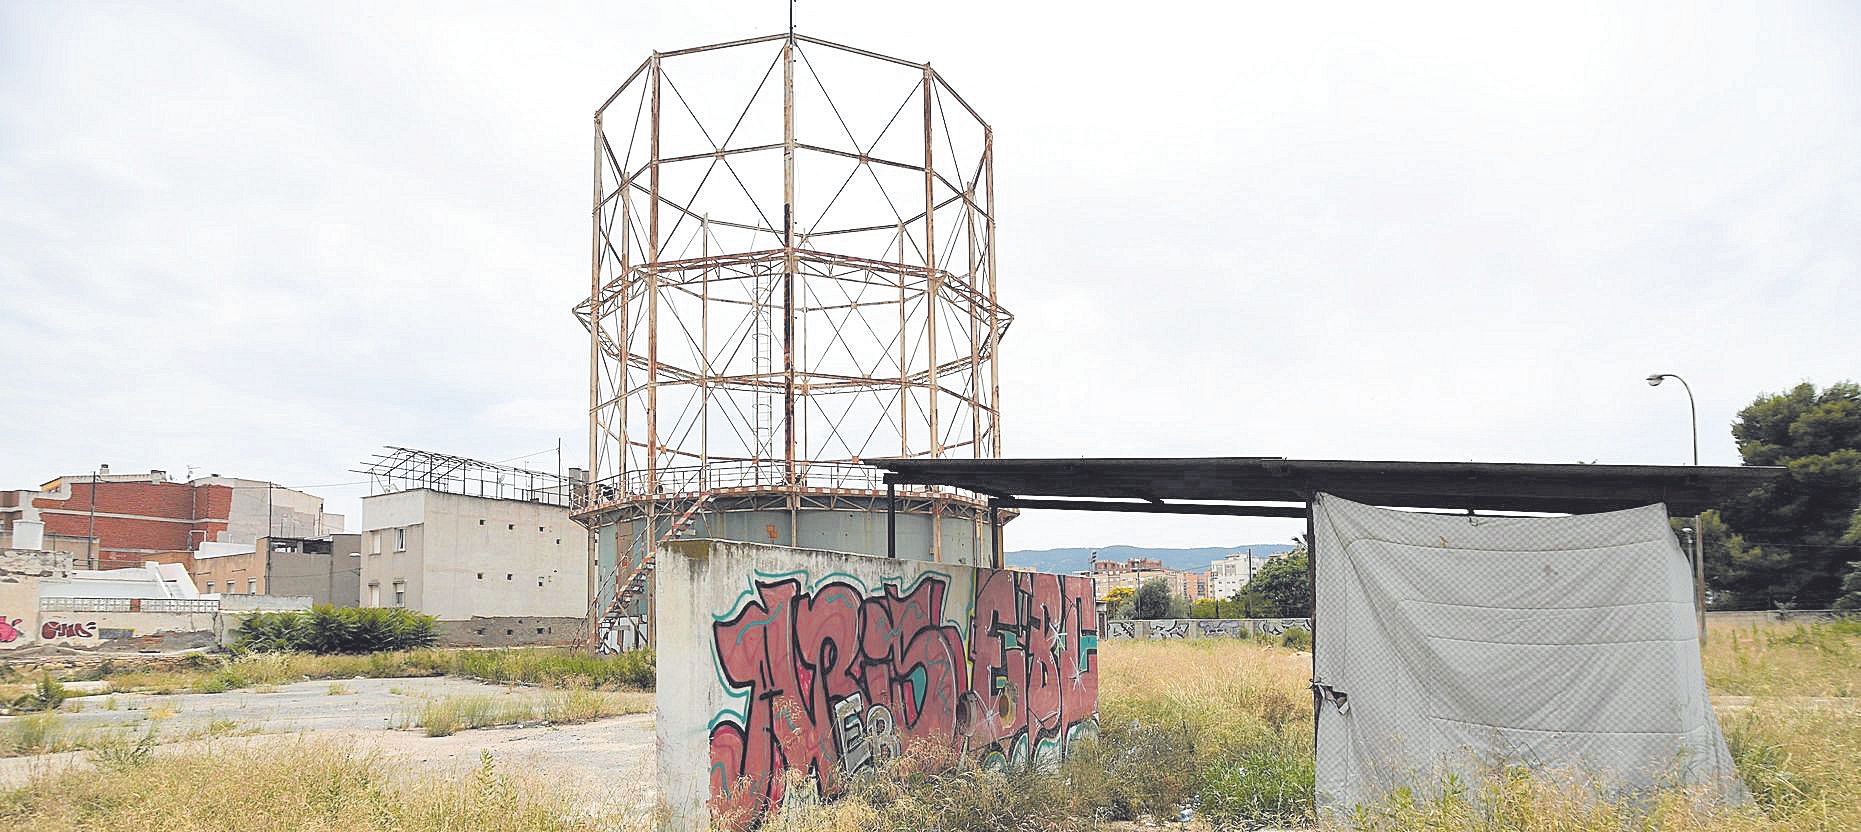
(132, 517)
(111, 521)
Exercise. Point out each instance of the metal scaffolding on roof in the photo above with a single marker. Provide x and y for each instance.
(404, 469)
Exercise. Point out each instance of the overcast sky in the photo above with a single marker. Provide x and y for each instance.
(264, 241)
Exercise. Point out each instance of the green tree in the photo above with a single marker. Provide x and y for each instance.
(1851, 589)
(1285, 584)
(1153, 600)
(1789, 543)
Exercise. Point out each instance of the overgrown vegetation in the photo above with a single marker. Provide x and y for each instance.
(300, 786)
(46, 695)
(1222, 728)
(448, 715)
(1217, 728)
(327, 629)
(546, 667)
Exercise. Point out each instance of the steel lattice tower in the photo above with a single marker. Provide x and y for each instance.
(792, 271)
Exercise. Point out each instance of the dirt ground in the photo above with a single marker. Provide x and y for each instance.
(608, 762)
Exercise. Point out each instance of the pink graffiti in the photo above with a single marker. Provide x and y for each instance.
(838, 681)
(61, 629)
(9, 630)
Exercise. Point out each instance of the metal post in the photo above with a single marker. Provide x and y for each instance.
(995, 534)
(891, 520)
(1699, 532)
(1311, 575)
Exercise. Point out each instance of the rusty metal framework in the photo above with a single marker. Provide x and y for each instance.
(792, 271)
(394, 468)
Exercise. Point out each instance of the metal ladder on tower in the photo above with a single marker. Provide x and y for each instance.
(635, 583)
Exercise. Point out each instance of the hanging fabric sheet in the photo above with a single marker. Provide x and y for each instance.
(1450, 646)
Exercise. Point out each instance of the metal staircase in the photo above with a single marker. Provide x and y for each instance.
(634, 582)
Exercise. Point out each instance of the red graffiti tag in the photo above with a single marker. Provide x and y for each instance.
(60, 629)
(837, 681)
(9, 630)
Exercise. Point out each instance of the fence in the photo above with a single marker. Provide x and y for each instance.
(175, 605)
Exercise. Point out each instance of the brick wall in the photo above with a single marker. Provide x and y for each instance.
(137, 518)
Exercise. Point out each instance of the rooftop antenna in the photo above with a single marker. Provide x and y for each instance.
(791, 19)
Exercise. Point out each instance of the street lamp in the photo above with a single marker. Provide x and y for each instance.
(1699, 531)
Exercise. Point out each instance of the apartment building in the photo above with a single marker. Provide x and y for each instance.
(493, 570)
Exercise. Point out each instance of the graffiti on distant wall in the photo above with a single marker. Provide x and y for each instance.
(54, 628)
(839, 678)
(1279, 626)
(1169, 629)
(9, 630)
(1175, 629)
(1220, 628)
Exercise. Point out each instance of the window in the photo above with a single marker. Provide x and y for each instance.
(374, 593)
(251, 586)
(480, 630)
(511, 526)
(539, 631)
(558, 541)
(481, 576)
(510, 632)
(508, 576)
(374, 543)
(539, 528)
(400, 540)
(209, 587)
(481, 521)
(539, 581)
(400, 593)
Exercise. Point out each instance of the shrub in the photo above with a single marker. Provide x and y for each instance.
(326, 629)
(1258, 790)
(45, 696)
(1297, 638)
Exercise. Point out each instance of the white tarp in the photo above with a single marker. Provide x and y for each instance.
(1448, 645)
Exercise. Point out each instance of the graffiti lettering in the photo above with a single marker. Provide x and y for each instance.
(1122, 629)
(1169, 629)
(1220, 628)
(9, 630)
(61, 629)
(839, 679)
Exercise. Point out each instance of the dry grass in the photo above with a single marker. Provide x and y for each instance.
(547, 667)
(1785, 660)
(448, 715)
(1225, 726)
(305, 786)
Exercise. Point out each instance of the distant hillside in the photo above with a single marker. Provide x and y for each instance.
(1186, 560)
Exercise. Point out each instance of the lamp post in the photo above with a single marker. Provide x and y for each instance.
(1699, 531)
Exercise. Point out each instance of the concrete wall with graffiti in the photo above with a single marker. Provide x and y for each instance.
(775, 659)
(1165, 629)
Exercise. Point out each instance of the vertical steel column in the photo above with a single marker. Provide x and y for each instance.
(788, 274)
(595, 306)
(652, 300)
(789, 477)
(995, 341)
(932, 283)
(904, 372)
(891, 519)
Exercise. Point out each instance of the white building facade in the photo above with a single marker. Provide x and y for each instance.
(494, 571)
